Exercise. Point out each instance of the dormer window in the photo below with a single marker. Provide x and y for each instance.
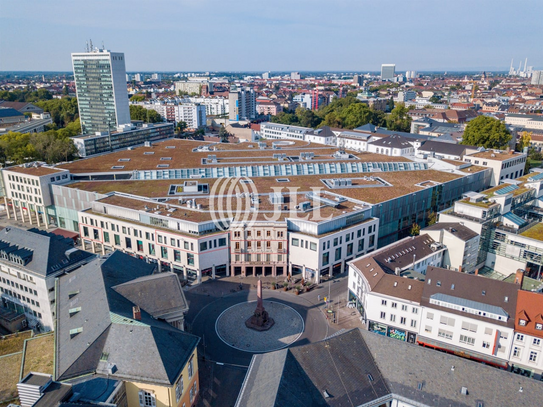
(539, 326)
(522, 322)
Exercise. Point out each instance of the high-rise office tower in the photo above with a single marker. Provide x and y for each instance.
(537, 77)
(242, 103)
(100, 82)
(387, 72)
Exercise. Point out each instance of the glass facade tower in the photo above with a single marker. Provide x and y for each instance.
(387, 72)
(100, 80)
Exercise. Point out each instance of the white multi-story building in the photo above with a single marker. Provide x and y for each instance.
(305, 100)
(525, 120)
(102, 96)
(215, 106)
(27, 191)
(537, 78)
(393, 145)
(504, 164)
(193, 114)
(241, 103)
(405, 95)
(189, 87)
(148, 231)
(468, 315)
(461, 242)
(30, 261)
(326, 254)
(282, 131)
(388, 71)
(386, 285)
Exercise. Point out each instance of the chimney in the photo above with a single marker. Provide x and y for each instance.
(476, 272)
(459, 269)
(136, 313)
(519, 277)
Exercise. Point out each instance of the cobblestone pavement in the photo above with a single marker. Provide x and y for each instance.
(287, 328)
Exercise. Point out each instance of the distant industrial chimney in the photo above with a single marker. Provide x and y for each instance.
(136, 313)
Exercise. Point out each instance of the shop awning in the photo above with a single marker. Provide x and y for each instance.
(465, 353)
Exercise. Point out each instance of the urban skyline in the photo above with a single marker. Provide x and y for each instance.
(356, 40)
(220, 201)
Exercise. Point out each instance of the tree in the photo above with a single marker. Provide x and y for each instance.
(486, 132)
(307, 118)
(65, 90)
(147, 115)
(181, 127)
(223, 134)
(432, 218)
(285, 118)
(390, 104)
(356, 115)
(435, 98)
(524, 140)
(415, 229)
(137, 98)
(63, 111)
(399, 120)
(535, 155)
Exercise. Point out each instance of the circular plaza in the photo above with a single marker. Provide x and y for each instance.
(231, 329)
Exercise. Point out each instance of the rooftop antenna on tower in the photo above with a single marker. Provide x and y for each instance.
(103, 47)
(86, 46)
(91, 47)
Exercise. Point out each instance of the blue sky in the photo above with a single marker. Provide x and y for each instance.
(255, 35)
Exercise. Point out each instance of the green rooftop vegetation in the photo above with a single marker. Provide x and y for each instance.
(528, 284)
(535, 232)
(38, 356)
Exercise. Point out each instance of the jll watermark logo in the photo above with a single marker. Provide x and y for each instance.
(237, 200)
(231, 199)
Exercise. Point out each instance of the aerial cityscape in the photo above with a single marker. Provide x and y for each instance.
(292, 204)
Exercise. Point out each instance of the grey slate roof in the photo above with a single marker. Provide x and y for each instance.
(392, 141)
(9, 112)
(403, 253)
(400, 370)
(48, 250)
(456, 229)
(381, 131)
(143, 292)
(147, 350)
(440, 147)
(341, 366)
(405, 365)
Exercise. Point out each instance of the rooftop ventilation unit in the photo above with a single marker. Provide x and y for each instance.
(304, 206)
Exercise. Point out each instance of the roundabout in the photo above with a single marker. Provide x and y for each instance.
(230, 327)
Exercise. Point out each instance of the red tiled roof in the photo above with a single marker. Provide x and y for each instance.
(529, 308)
